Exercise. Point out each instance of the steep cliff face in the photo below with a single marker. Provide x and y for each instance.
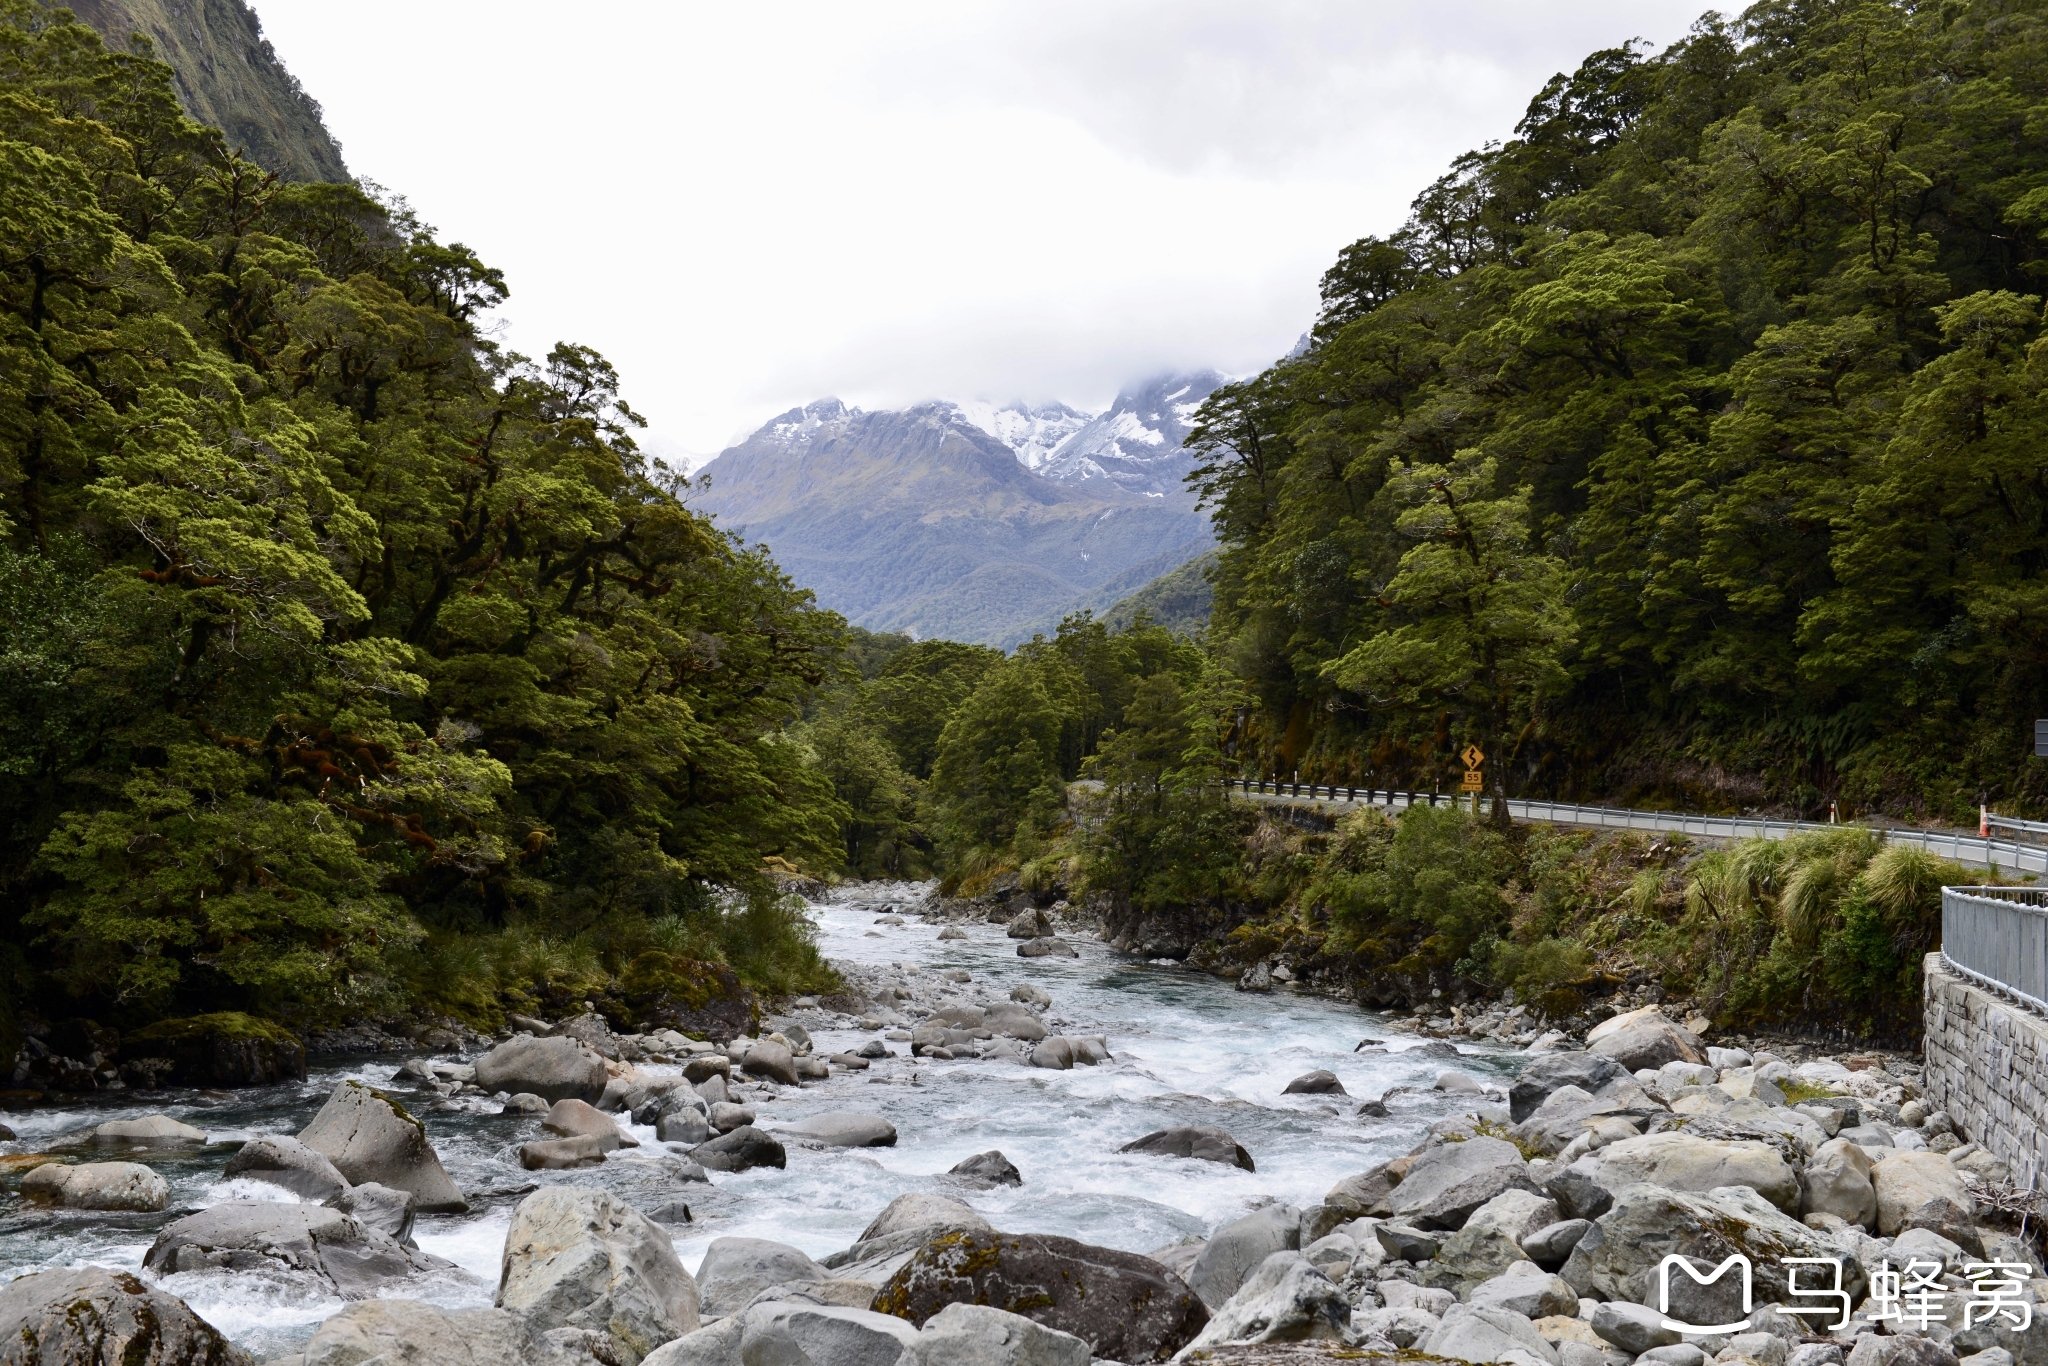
(228, 76)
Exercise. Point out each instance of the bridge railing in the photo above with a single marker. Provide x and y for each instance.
(1998, 936)
(1975, 850)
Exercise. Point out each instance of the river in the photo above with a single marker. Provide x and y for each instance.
(1187, 1048)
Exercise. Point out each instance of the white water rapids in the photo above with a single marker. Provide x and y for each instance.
(1188, 1049)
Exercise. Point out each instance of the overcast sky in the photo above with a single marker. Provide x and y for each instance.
(749, 206)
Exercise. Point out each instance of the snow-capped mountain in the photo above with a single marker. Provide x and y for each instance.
(1032, 430)
(1136, 444)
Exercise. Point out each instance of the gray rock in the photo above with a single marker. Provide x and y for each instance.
(989, 1168)
(917, 1211)
(1526, 1289)
(1677, 1354)
(1836, 1181)
(580, 1119)
(1321, 1082)
(325, 1245)
(976, 1335)
(1830, 1354)
(1239, 1248)
(1485, 1335)
(1369, 1193)
(1445, 1184)
(1407, 1295)
(553, 1069)
(735, 1270)
(561, 1154)
(89, 1315)
(1950, 1221)
(1765, 1348)
(1678, 1161)
(381, 1209)
(1578, 1195)
(1458, 1083)
(716, 1345)
(525, 1103)
(576, 1257)
(1405, 1242)
(97, 1186)
(1015, 1021)
(1206, 1142)
(1029, 924)
(402, 1332)
(1634, 1328)
(370, 1137)
(1587, 1071)
(1047, 948)
(739, 1150)
(1404, 1327)
(1618, 1259)
(1285, 1299)
(1990, 1356)
(281, 1161)
(845, 1129)
(1644, 1038)
(771, 1060)
(1906, 1181)
(151, 1131)
(786, 1333)
(724, 1116)
(1550, 1245)
(1055, 1054)
(1516, 1213)
(682, 1126)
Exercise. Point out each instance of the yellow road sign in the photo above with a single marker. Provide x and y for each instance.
(1472, 781)
(1473, 756)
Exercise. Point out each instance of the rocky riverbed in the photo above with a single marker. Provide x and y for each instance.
(1004, 1116)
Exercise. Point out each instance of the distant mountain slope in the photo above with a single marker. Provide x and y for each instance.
(1136, 445)
(1178, 600)
(923, 521)
(228, 76)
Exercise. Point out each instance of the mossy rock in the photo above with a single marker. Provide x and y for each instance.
(227, 1048)
(690, 995)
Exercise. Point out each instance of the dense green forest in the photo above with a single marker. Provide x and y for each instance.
(350, 661)
(1685, 448)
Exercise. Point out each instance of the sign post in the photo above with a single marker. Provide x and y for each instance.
(1474, 781)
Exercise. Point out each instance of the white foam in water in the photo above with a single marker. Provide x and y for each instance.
(1188, 1049)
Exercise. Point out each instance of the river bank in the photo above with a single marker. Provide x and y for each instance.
(1185, 1050)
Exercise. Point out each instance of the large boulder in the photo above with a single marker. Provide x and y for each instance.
(151, 1131)
(97, 1185)
(1644, 1039)
(581, 1119)
(410, 1333)
(1367, 1194)
(1321, 1082)
(1526, 1289)
(1678, 1161)
(918, 1211)
(1587, 1071)
(845, 1129)
(561, 1154)
(1905, 1181)
(1446, 1183)
(735, 1270)
(739, 1150)
(326, 1245)
(987, 1169)
(1470, 1333)
(1620, 1256)
(1634, 1328)
(90, 1316)
(1125, 1307)
(576, 1257)
(1203, 1141)
(976, 1335)
(1016, 1021)
(281, 1161)
(906, 1224)
(772, 1060)
(1570, 1111)
(223, 1049)
(1837, 1181)
(794, 1333)
(1030, 924)
(1241, 1247)
(553, 1069)
(1284, 1300)
(381, 1209)
(370, 1137)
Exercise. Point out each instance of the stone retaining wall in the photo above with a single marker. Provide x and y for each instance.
(1987, 1065)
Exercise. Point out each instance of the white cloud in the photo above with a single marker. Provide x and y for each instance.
(746, 207)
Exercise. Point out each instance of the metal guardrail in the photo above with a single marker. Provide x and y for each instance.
(1998, 937)
(1975, 850)
(2013, 823)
